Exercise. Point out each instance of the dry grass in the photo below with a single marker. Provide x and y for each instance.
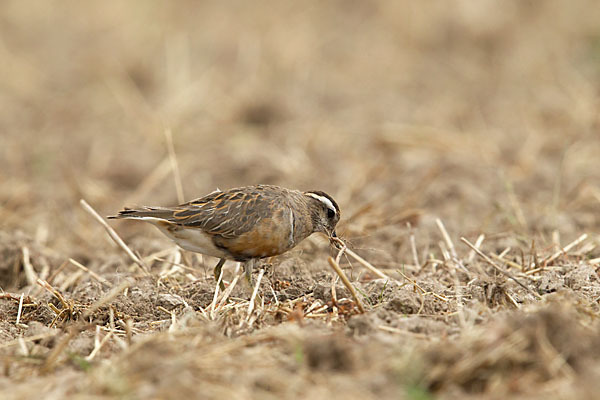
(460, 140)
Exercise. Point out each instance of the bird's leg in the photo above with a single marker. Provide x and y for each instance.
(248, 265)
(218, 273)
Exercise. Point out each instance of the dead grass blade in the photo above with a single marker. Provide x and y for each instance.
(152, 180)
(174, 166)
(114, 236)
(92, 273)
(114, 292)
(54, 292)
(227, 292)
(423, 291)
(346, 283)
(30, 274)
(507, 262)
(413, 244)
(213, 304)
(404, 332)
(478, 243)
(59, 348)
(497, 268)
(358, 258)
(98, 346)
(20, 309)
(26, 339)
(565, 249)
(446, 236)
(254, 293)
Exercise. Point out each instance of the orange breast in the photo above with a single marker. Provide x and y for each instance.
(267, 239)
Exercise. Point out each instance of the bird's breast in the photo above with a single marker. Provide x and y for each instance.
(269, 237)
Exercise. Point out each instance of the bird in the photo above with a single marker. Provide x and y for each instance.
(243, 224)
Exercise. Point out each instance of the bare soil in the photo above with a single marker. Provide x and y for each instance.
(427, 122)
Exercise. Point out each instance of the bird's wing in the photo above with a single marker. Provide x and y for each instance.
(231, 213)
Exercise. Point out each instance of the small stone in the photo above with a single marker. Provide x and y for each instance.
(168, 299)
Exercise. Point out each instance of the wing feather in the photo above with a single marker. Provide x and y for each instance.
(228, 214)
(231, 213)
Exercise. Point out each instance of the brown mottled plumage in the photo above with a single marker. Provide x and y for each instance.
(244, 224)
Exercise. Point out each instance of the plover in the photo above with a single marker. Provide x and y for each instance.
(243, 224)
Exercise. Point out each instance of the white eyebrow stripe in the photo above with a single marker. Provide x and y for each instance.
(323, 200)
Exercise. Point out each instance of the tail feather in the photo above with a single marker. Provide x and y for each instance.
(145, 213)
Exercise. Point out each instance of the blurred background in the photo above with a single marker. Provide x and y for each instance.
(482, 113)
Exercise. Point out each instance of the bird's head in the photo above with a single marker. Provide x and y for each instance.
(325, 212)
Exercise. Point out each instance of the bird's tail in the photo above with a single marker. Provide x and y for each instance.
(145, 213)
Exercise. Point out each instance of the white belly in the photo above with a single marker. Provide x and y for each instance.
(192, 240)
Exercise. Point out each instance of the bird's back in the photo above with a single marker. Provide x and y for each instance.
(241, 223)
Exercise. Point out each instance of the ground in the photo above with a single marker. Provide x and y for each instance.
(460, 140)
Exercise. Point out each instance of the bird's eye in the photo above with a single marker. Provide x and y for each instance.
(330, 213)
